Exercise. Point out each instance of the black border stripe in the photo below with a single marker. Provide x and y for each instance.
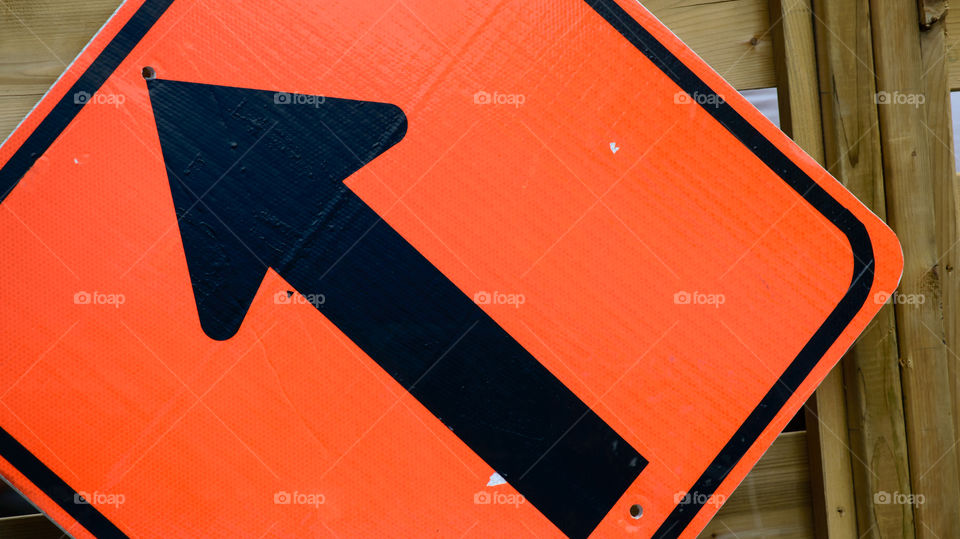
(55, 488)
(10, 175)
(147, 15)
(856, 296)
(90, 82)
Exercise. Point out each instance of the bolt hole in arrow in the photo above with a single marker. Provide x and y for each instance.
(257, 182)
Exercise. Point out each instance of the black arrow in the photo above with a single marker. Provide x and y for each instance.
(257, 182)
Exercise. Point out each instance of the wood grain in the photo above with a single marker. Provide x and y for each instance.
(774, 499)
(939, 137)
(38, 40)
(909, 172)
(733, 36)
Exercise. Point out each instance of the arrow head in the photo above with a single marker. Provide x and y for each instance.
(257, 182)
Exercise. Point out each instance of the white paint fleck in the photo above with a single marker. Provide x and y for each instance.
(496, 479)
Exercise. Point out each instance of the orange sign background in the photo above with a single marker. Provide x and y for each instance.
(201, 438)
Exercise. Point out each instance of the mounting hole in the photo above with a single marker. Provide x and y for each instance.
(149, 73)
(636, 511)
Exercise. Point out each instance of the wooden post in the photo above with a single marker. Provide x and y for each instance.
(851, 135)
(831, 474)
(795, 60)
(935, 81)
(909, 177)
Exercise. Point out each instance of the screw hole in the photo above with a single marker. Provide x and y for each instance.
(149, 73)
(636, 511)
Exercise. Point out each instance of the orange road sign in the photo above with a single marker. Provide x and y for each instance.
(410, 268)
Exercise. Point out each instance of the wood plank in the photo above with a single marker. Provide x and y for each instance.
(909, 173)
(733, 36)
(38, 38)
(939, 137)
(795, 58)
(36, 526)
(13, 108)
(871, 368)
(831, 473)
(774, 499)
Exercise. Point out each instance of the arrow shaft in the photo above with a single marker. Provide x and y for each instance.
(466, 370)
